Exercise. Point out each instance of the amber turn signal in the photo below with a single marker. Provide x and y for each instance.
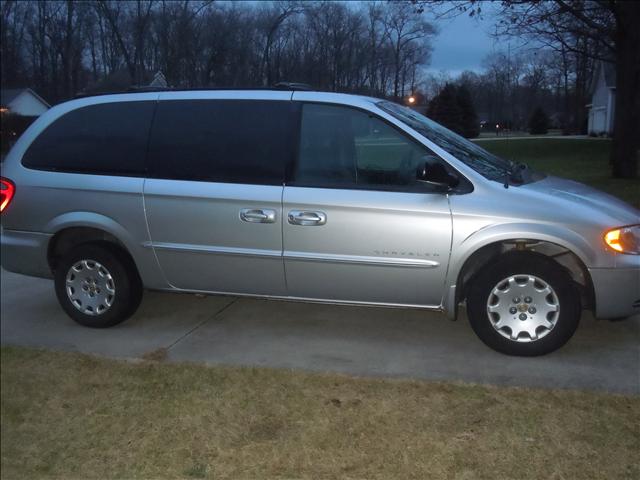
(624, 239)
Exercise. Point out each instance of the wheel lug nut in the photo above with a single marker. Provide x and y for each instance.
(523, 316)
(516, 300)
(513, 310)
(527, 300)
(532, 310)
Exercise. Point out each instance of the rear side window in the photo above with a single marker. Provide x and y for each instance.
(227, 141)
(109, 138)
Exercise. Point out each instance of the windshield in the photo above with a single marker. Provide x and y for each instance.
(483, 162)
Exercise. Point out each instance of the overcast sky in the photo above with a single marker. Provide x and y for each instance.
(462, 44)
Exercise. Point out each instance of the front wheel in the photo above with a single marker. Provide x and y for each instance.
(524, 304)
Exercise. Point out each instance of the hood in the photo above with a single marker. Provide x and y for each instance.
(583, 200)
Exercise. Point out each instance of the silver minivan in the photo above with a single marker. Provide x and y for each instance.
(308, 196)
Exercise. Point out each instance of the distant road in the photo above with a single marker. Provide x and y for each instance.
(536, 137)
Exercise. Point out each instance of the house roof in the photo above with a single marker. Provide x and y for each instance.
(8, 95)
(605, 71)
(159, 81)
(609, 74)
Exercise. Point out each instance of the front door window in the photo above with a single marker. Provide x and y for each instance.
(343, 147)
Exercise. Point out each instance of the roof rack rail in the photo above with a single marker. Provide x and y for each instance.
(147, 89)
(293, 86)
(121, 91)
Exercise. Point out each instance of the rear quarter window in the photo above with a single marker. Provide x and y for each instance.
(108, 138)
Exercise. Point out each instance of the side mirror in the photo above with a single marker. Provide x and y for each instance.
(436, 175)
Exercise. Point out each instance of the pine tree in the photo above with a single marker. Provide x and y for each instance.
(538, 122)
(453, 108)
(469, 120)
(445, 109)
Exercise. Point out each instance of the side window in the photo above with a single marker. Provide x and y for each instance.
(108, 138)
(229, 141)
(347, 148)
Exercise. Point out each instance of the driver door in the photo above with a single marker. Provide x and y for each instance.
(358, 226)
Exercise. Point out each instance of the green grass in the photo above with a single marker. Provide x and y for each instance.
(583, 160)
(68, 416)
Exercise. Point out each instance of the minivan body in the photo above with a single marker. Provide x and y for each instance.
(311, 196)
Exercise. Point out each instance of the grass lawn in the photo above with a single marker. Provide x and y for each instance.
(583, 160)
(68, 416)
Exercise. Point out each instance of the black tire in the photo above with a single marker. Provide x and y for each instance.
(127, 284)
(524, 263)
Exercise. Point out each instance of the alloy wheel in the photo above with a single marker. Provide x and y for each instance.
(523, 308)
(90, 287)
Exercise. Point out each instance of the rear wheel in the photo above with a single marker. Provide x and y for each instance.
(524, 304)
(97, 285)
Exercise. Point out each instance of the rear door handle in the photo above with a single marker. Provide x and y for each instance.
(257, 215)
(306, 218)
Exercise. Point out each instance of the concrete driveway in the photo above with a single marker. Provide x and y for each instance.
(353, 340)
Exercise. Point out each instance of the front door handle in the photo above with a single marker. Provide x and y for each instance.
(306, 218)
(256, 215)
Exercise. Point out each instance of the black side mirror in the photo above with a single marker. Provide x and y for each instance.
(436, 175)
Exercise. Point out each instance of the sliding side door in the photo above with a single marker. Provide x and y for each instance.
(214, 207)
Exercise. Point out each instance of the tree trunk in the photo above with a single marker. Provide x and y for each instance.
(626, 133)
(67, 83)
(396, 58)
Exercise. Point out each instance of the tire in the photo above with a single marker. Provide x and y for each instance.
(543, 319)
(97, 285)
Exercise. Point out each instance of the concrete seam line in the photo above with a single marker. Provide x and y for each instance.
(202, 323)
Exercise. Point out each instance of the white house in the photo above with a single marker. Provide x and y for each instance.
(603, 100)
(22, 101)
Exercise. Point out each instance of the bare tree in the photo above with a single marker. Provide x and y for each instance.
(274, 17)
(406, 27)
(12, 33)
(65, 46)
(609, 32)
(129, 19)
(605, 30)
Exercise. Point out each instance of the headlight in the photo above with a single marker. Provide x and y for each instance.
(624, 239)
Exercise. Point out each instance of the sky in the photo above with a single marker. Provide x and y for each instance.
(462, 44)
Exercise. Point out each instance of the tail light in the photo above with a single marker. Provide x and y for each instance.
(7, 189)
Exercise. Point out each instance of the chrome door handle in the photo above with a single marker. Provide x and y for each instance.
(306, 218)
(256, 215)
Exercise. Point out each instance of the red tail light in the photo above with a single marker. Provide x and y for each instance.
(7, 189)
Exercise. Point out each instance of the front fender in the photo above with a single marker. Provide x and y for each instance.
(559, 235)
(465, 244)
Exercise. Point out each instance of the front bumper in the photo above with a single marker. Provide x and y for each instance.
(617, 291)
(25, 252)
